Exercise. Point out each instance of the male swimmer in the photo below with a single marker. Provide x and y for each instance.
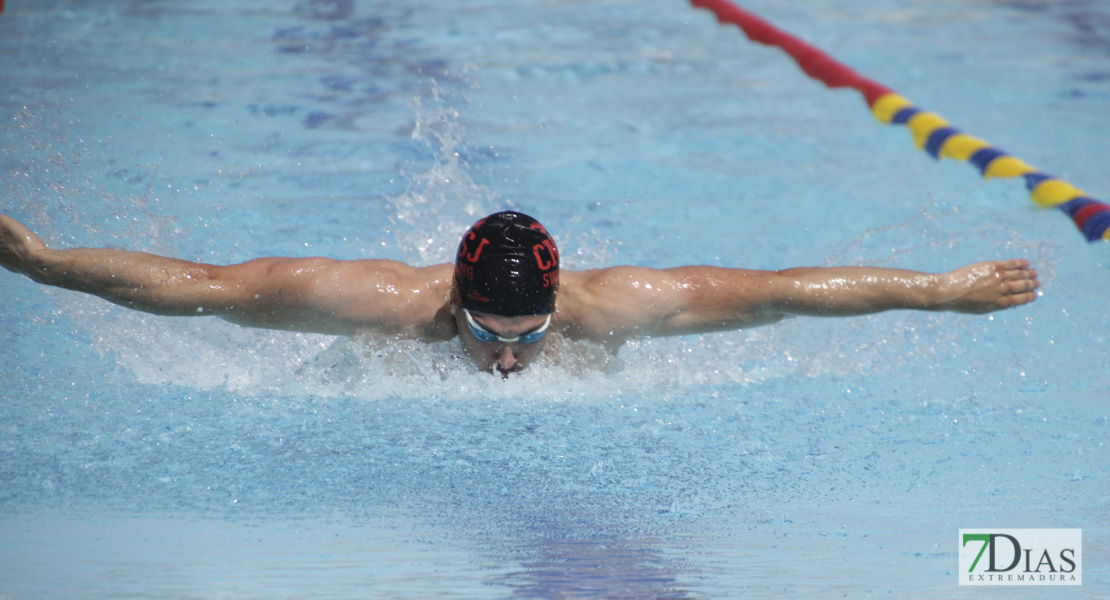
(505, 293)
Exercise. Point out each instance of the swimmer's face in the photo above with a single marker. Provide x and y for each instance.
(489, 339)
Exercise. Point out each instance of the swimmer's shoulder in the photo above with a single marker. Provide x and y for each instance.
(593, 304)
(608, 288)
(392, 297)
(396, 269)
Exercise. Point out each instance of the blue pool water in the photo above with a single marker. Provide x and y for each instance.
(187, 458)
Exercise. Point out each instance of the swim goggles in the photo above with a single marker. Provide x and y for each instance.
(483, 335)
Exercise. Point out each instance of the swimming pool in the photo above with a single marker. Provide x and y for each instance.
(157, 457)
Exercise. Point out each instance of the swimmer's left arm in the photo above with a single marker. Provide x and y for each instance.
(638, 302)
(846, 291)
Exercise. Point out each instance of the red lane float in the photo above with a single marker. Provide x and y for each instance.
(931, 132)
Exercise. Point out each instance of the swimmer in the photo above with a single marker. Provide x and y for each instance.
(505, 292)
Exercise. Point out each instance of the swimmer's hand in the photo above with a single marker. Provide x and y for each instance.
(989, 286)
(17, 245)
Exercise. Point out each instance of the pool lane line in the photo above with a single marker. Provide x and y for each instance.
(931, 132)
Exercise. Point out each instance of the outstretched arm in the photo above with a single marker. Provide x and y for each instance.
(626, 302)
(303, 294)
(845, 291)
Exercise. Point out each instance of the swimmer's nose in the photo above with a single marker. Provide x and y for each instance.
(506, 360)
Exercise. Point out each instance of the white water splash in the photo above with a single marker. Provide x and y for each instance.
(443, 201)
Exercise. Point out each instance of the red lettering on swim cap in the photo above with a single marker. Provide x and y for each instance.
(554, 251)
(551, 279)
(473, 256)
(462, 244)
(552, 259)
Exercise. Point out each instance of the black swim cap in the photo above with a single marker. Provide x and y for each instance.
(507, 266)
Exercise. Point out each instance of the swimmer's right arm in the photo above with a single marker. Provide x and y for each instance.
(136, 280)
(302, 294)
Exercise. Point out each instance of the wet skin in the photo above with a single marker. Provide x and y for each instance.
(608, 306)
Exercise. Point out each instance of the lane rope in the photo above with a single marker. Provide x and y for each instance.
(931, 132)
